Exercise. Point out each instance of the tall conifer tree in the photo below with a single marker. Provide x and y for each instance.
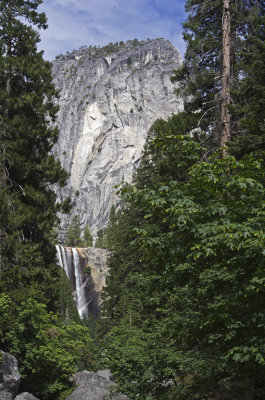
(249, 92)
(216, 33)
(28, 205)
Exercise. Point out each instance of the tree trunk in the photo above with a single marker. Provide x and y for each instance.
(226, 76)
(9, 55)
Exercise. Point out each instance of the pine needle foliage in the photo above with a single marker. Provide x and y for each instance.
(28, 215)
(200, 78)
(48, 346)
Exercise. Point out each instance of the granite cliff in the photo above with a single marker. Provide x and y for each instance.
(109, 98)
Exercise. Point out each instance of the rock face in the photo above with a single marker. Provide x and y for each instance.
(86, 268)
(94, 386)
(108, 101)
(9, 377)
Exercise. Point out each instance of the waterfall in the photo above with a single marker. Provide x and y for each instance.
(69, 260)
(80, 293)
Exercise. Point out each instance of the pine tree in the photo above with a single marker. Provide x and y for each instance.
(110, 233)
(73, 236)
(99, 241)
(30, 279)
(249, 93)
(216, 32)
(88, 238)
(225, 76)
(28, 206)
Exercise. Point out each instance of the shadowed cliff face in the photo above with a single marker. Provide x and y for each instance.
(86, 268)
(107, 104)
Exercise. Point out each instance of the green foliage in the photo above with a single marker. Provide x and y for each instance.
(190, 249)
(166, 157)
(88, 238)
(250, 94)
(28, 204)
(73, 235)
(135, 42)
(100, 239)
(32, 285)
(87, 270)
(200, 75)
(185, 294)
(47, 351)
(164, 150)
(129, 355)
(68, 310)
(110, 234)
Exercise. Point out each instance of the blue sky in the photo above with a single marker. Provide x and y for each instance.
(73, 23)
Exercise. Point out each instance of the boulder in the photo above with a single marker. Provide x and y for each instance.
(5, 396)
(94, 386)
(25, 396)
(9, 377)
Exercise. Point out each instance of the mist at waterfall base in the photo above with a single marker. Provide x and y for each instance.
(84, 295)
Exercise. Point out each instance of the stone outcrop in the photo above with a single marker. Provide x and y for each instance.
(94, 386)
(108, 101)
(9, 376)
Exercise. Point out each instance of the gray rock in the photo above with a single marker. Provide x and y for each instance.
(25, 396)
(9, 377)
(107, 105)
(94, 386)
(6, 396)
(100, 379)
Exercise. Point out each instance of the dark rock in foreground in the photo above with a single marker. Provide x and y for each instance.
(91, 385)
(9, 377)
(94, 386)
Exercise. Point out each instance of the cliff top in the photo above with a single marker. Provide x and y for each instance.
(111, 48)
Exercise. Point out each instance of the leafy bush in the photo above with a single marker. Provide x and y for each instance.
(48, 351)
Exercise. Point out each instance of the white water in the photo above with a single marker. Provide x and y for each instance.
(68, 259)
(80, 294)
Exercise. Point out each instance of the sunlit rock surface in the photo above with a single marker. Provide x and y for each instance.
(107, 104)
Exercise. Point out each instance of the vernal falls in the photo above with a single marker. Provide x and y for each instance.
(86, 269)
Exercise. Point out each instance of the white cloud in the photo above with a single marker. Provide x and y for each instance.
(73, 23)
